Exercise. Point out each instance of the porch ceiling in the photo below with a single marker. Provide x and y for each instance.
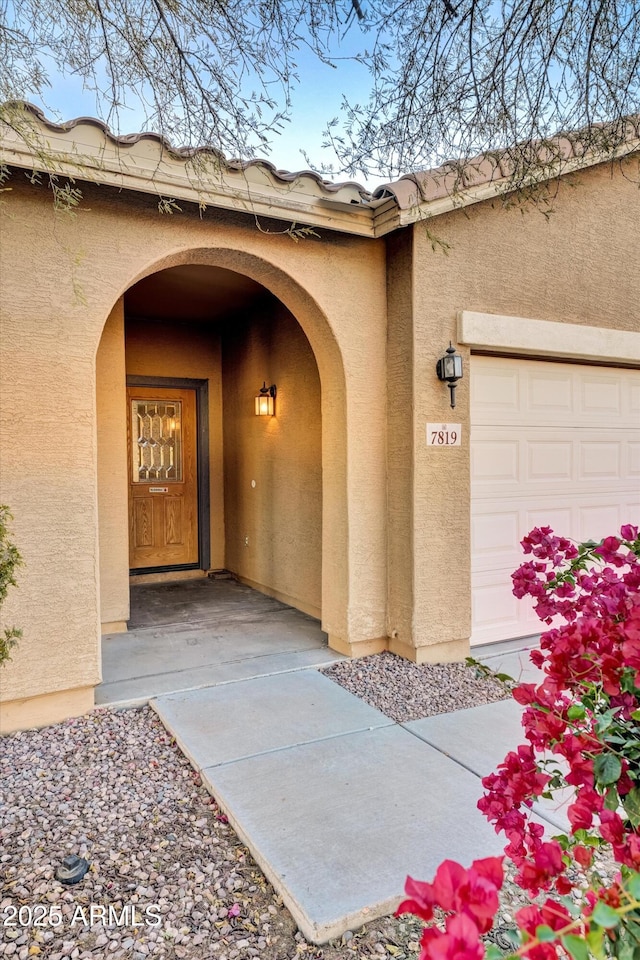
(193, 292)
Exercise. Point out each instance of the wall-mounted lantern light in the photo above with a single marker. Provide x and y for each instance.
(449, 369)
(266, 400)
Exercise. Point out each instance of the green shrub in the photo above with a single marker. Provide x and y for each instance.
(10, 559)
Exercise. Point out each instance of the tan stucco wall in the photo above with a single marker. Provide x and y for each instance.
(48, 453)
(274, 528)
(187, 350)
(581, 265)
(400, 454)
(61, 278)
(111, 428)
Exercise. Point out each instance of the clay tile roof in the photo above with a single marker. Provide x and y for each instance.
(453, 177)
(143, 160)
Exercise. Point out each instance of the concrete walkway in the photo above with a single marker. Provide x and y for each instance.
(336, 802)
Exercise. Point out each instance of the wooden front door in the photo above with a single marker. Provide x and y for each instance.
(163, 477)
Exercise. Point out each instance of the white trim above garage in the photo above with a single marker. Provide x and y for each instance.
(547, 338)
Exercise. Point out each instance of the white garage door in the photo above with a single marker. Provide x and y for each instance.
(552, 444)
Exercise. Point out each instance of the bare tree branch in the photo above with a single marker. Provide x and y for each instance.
(448, 79)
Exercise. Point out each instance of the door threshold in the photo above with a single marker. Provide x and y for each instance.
(167, 576)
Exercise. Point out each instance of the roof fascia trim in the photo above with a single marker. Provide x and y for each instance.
(163, 176)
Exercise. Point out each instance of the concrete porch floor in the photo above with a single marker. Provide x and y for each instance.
(199, 633)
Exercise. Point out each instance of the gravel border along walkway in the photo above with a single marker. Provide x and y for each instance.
(112, 786)
(405, 691)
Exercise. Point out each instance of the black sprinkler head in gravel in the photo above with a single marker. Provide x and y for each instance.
(72, 869)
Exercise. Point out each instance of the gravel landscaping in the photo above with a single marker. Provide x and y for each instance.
(406, 691)
(113, 787)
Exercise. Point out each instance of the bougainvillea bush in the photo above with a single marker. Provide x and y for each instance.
(582, 730)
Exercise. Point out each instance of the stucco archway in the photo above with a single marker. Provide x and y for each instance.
(58, 303)
(110, 368)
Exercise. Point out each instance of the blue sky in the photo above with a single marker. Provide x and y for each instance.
(316, 100)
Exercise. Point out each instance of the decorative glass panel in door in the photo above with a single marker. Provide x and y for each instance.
(157, 446)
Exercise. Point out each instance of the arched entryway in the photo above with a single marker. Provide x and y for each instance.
(272, 505)
(206, 339)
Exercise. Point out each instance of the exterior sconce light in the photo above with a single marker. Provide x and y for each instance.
(449, 369)
(266, 400)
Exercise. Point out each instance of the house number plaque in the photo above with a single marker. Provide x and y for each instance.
(158, 489)
(444, 434)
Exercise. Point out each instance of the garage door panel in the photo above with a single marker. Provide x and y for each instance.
(493, 536)
(497, 615)
(556, 394)
(550, 391)
(590, 465)
(494, 533)
(601, 396)
(496, 461)
(496, 389)
(549, 461)
(589, 518)
(494, 605)
(598, 520)
(567, 456)
(600, 459)
(631, 513)
(558, 517)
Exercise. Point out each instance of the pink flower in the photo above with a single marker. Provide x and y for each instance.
(551, 914)
(472, 893)
(421, 900)
(536, 873)
(583, 856)
(460, 941)
(563, 886)
(631, 643)
(611, 827)
(584, 808)
(525, 693)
